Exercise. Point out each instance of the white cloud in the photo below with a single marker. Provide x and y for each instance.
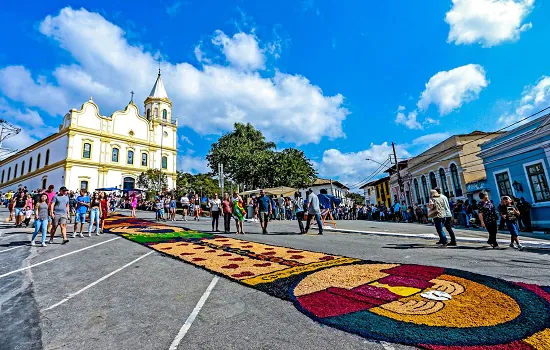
(194, 165)
(487, 22)
(449, 90)
(352, 167)
(533, 99)
(185, 139)
(242, 50)
(209, 99)
(408, 120)
(431, 139)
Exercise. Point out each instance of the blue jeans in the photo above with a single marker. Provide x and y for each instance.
(40, 225)
(439, 224)
(513, 228)
(94, 217)
(317, 218)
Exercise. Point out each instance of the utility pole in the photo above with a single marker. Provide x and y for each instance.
(221, 178)
(399, 180)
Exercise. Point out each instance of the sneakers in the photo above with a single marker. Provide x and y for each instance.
(520, 247)
(65, 241)
(74, 235)
(452, 244)
(512, 245)
(97, 233)
(89, 234)
(32, 243)
(43, 244)
(80, 235)
(50, 241)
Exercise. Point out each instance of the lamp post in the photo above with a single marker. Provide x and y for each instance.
(372, 160)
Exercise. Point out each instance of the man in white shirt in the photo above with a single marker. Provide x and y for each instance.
(215, 207)
(185, 205)
(313, 210)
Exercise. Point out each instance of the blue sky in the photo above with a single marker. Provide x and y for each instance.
(340, 80)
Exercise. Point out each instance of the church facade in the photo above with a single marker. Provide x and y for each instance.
(93, 151)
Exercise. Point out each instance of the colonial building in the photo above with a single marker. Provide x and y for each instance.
(369, 192)
(517, 165)
(383, 194)
(450, 165)
(92, 151)
(403, 192)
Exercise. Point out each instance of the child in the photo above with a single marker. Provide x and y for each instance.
(28, 214)
(159, 206)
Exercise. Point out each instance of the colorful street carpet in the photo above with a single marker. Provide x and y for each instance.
(429, 307)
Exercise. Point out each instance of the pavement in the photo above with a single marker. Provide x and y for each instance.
(106, 292)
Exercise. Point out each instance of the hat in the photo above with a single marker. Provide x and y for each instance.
(63, 188)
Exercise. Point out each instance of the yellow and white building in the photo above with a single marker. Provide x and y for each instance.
(94, 151)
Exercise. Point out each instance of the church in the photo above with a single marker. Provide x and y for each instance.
(93, 151)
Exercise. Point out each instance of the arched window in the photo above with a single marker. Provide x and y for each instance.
(144, 159)
(130, 157)
(38, 161)
(87, 150)
(22, 168)
(164, 162)
(148, 114)
(3, 173)
(129, 183)
(443, 179)
(9, 173)
(433, 181)
(47, 160)
(164, 114)
(156, 112)
(15, 171)
(30, 165)
(456, 180)
(417, 191)
(114, 155)
(425, 189)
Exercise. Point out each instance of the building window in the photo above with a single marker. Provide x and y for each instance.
(456, 180)
(368, 191)
(538, 182)
(148, 114)
(44, 180)
(114, 155)
(84, 185)
(425, 189)
(30, 165)
(417, 191)
(38, 161)
(87, 150)
(130, 157)
(433, 181)
(22, 168)
(156, 112)
(144, 159)
(128, 183)
(164, 162)
(443, 179)
(15, 171)
(3, 173)
(164, 114)
(503, 184)
(47, 160)
(387, 188)
(9, 173)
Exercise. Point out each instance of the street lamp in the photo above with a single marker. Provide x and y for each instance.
(372, 160)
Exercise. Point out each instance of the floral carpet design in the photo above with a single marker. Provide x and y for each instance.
(430, 307)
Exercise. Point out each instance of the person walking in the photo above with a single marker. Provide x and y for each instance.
(184, 200)
(488, 217)
(510, 214)
(95, 211)
(19, 209)
(525, 214)
(134, 202)
(41, 219)
(300, 211)
(238, 212)
(197, 207)
(263, 210)
(226, 211)
(438, 210)
(314, 210)
(82, 206)
(173, 205)
(59, 212)
(448, 222)
(104, 209)
(215, 208)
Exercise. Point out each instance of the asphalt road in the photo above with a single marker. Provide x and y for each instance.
(109, 293)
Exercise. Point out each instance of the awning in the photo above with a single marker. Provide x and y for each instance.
(281, 190)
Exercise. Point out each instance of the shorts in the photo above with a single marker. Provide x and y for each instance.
(18, 211)
(80, 218)
(185, 207)
(264, 216)
(59, 219)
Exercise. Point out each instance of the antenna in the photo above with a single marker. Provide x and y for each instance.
(7, 130)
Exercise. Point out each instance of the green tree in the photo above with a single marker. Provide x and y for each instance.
(356, 197)
(149, 180)
(189, 183)
(249, 159)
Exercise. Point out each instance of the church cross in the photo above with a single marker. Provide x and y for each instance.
(132, 99)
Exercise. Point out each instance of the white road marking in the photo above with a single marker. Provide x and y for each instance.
(57, 257)
(194, 314)
(96, 282)
(5, 250)
(387, 345)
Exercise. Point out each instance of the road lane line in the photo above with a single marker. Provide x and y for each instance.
(5, 250)
(194, 314)
(387, 345)
(70, 296)
(57, 257)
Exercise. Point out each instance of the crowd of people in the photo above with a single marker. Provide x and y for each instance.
(52, 209)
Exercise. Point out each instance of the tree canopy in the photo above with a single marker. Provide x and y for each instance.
(149, 180)
(250, 160)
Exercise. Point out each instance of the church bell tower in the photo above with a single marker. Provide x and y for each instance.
(157, 105)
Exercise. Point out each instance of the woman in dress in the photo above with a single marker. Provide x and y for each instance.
(104, 207)
(238, 212)
(134, 205)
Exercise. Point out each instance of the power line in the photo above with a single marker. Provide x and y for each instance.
(368, 178)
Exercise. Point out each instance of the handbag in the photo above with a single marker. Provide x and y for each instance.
(432, 213)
